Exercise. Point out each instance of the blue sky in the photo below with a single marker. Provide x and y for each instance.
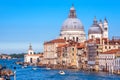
(35, 21)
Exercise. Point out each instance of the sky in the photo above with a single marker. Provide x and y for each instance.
(35, 21)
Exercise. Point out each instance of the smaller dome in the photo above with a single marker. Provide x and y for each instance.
(95, 28)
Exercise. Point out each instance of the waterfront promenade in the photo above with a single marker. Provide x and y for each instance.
(42, 74)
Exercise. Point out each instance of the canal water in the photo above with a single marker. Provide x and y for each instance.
(42, 74)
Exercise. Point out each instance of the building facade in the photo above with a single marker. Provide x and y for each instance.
(109, 60)
(71, 54)
(50, 51)
(32, 58)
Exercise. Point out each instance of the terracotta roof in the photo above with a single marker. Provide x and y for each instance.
(56, 41)
(95, 41)
(113, 42)
(62, 45)
(81, 45)
(113, 51)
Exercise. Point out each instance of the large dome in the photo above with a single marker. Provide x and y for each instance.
(72, 24)
(95, 28)
(72, 28)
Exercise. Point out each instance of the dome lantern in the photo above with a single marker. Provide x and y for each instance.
(72, 13)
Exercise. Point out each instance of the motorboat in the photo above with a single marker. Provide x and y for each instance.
(62, 72)
(34, 68)
(23, 67)
(48, 68)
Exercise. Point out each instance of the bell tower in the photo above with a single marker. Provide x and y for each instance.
(105, 33)
(30, 50)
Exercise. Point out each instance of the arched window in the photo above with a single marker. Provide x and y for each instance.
(92, 36)
(38, 60)
(76, 39)
(73, 38)
(31, 60)
(65, 38)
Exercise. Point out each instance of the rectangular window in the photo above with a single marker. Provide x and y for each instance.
(72, 54)
(109, 47)
(105, 47)
(72, 49)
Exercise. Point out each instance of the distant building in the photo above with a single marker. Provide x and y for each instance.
(32, 58)
(4, 56)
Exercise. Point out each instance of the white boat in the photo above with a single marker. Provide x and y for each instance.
(23, 67)
(62, 72)
(48, 68)
(34, 68)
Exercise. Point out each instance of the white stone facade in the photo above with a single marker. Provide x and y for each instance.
(78, 36)
(106, 62)
(30, 57)
(91, 36)
(117, 64)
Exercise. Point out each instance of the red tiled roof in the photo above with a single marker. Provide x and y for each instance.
(81, 45)
(62, 45)
(113, 51)
(56, 41)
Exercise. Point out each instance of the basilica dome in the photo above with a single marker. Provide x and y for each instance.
(72, 23)
(72, 28)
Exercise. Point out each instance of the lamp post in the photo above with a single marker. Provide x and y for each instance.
(14, 73)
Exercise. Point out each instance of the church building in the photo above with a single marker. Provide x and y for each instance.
(72, 28)
(98, 30)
